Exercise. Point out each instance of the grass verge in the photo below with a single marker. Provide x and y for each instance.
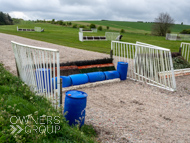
(33, 116)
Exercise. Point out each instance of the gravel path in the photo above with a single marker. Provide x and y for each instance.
(127, 111)
(66, 53)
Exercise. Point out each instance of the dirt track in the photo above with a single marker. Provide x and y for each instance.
(127, 111)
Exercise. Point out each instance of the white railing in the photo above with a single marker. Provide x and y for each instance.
(36, 67)
(171, 36)
(38, 29)
(108, 36)
(80, 36)
(112, 35)
(94, 29)
(184, 37)
(24, 29)
(146, 63)
(91, 38)
(91, 30)
(185, 51)
(80, 29)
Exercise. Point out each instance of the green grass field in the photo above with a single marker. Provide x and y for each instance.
(68, 36)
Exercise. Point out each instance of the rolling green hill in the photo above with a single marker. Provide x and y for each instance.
(68, 36)
(135, 27)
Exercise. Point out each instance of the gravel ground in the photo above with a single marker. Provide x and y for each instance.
(66, 53)
(127, 111)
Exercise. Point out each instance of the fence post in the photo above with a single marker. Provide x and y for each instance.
(111, 54)
(15, 60)
(172, 70)
(180, 50)
(17, 69)
(61, 92)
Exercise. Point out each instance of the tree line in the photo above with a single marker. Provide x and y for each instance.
(5, 19)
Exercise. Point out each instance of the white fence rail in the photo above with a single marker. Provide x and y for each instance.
(184, 37)
(112, 35)
(108, 36)
(24, 29)
(38, 29)
(87, 30)
(146, 63)
(185, 51)
(91, 38)
(36, 67)
(94, 29)
(80, 36)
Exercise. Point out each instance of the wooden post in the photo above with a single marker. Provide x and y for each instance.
(180, 50)
(111, 54)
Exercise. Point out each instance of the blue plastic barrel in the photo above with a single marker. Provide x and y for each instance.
(66, 81)
(122, 68)
(43, 79)
(96, 76)
(75, 106)
(111, 74)
(78, 79)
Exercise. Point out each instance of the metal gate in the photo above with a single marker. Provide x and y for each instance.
(146, 63)
(185, 51)
(37, 67)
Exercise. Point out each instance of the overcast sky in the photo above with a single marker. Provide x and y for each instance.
(121, 10)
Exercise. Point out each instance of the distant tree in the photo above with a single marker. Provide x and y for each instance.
(122, 31)
(53, 21)
(100, 28)
(5, 19)
(162, 24)
(107, 27)
(63, 23)
(60, 22)
(69, 23)
(9, 20)
(185, 31)
(82, 26)
(75, 26)
(17, 20)
(92, 25)
(181, 23)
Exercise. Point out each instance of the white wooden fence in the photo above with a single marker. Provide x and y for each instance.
(170, 36)
(185, 51)
(37, 29)
(91, 38)
(112, 35)
(87, 30)
(175, 37)
(147, 63)
(36, 67)
(108, 36)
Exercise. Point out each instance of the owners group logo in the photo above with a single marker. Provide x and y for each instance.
(41, 124)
